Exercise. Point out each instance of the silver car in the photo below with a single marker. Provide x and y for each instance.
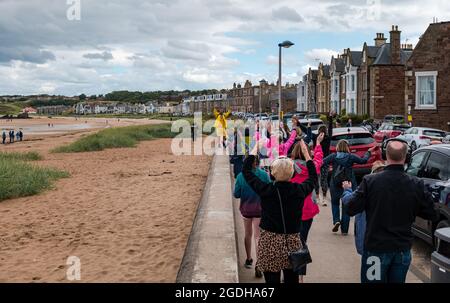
(418, 137)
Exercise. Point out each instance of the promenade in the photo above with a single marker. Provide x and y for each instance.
(216, 247)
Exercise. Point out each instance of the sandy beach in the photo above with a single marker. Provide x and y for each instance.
(126, 213)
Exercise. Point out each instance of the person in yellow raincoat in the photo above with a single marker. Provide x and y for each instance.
(221, 125)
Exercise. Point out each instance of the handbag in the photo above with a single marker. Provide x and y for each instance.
(300, 258)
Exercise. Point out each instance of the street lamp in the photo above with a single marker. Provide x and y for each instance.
(285, 44)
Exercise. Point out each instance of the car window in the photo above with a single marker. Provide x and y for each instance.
(401, 127)
(353, 139)
(434, 133)
(416, 164)
(415, 131)
(437, 167)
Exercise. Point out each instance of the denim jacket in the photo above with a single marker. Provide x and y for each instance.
(360, 223)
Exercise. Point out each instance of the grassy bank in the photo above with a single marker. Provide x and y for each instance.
(9, 109)
(118, 137)
(20, 179)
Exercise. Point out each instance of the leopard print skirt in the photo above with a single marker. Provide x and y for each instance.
(272, 253)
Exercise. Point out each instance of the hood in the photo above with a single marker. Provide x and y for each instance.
(342, 156)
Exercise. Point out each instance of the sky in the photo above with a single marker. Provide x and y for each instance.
(70, 47)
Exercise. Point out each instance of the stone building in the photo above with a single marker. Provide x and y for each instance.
(387, 77)
(427, 79)
(323, 88)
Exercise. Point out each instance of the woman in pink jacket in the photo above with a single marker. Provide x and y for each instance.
(275, 149)
(310, 207)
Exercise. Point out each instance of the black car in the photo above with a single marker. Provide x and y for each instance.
(432, 165)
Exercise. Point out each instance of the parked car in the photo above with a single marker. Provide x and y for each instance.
(394, 119)
(312, 116)
(360, 141)
(432, 165)
(315, 123)
(446, 140)
(418, 137)
(388, 131)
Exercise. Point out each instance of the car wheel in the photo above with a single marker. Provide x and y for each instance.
(441, 224)
(413, 146)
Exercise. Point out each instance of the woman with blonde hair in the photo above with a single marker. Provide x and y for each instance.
(281, 204)
(342, 162)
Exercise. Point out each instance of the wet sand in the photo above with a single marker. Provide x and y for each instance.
(126, 213)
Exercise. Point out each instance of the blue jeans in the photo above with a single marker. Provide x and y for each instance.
(385, 267)
(336, 206)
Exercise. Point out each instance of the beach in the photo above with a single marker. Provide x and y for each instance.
(125, 213)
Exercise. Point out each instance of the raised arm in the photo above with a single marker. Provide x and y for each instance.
(329, 160)
(227, 114)
(253, 181)
(305, 188)
(363, 160)
(216, 113)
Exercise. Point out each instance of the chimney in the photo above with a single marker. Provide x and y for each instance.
(395, 45)
(380, 40)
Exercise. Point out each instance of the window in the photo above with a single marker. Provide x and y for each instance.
(434, 133)
(353, 139)
(353, 106)
(336, 86)
(426, 90)
(437, 167)
(416, 164)
(353, 83)
(303, 91)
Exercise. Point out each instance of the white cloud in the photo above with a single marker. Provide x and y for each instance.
(320, 55)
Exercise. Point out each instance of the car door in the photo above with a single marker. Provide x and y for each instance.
(407, 135)
(417, 168)
(436, 169)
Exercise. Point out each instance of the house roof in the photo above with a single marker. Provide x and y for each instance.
(339, 65)
(372, 51)
(356, 58)
(326, 70)
(384, 55)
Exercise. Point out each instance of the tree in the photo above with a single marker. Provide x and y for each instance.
(82, 97)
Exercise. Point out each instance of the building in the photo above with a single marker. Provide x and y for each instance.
(29, 110)
(337, 69)
(302, 94)
(369, 55)
(427, 78)
(323, 88)
(242, 97)
(387, 77)
(52, 110)
(312, 89)
(352, 65)
(205, 103)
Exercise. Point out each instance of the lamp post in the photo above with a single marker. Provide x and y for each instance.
(285, 44)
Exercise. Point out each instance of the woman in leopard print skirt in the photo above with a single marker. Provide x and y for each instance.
(274, 244)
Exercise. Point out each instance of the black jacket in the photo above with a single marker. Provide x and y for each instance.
(292, 196)
(392, 199)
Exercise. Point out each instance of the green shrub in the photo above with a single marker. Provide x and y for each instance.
(117, 138)
(29, 156)
(20, 179)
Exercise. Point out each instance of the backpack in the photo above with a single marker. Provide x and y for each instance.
(341, 174)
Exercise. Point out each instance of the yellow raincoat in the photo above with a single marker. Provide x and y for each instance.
(221, 123)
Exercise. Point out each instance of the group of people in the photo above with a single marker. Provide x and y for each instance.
(13, 136)
(279, 200)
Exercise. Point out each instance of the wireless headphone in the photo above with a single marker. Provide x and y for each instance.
(385, 144)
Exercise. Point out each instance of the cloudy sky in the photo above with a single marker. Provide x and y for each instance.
(185, 44)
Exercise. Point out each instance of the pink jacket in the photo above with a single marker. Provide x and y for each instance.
(310, 209)
(272, 144)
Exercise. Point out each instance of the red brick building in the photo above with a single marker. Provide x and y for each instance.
(427, 79)
(387, 80)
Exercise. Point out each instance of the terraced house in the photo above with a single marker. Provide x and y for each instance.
(427, 79)
(337, 69)
(352, 65)
(323, 88)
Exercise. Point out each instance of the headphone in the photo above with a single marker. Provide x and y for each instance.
(385, 144)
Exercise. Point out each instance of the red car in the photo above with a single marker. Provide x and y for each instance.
(360, 140)
(388, 131)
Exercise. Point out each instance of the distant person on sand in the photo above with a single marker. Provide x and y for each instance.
(250, 209)
(11, 136)
(18, 136)
(221, 126)
(21, 135)
(4, 137)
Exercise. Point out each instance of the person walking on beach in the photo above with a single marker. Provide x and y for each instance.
(360, 219)
(250, 208)
(281, 204)
(21, 135)
(221, 126)
(342, 163)
(310, 207)
(18, 136)
(4, 137)
(392, 200)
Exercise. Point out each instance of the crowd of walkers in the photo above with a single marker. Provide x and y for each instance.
(282, 177)
(12, 135)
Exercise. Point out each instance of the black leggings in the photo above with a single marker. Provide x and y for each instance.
(274, 277)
